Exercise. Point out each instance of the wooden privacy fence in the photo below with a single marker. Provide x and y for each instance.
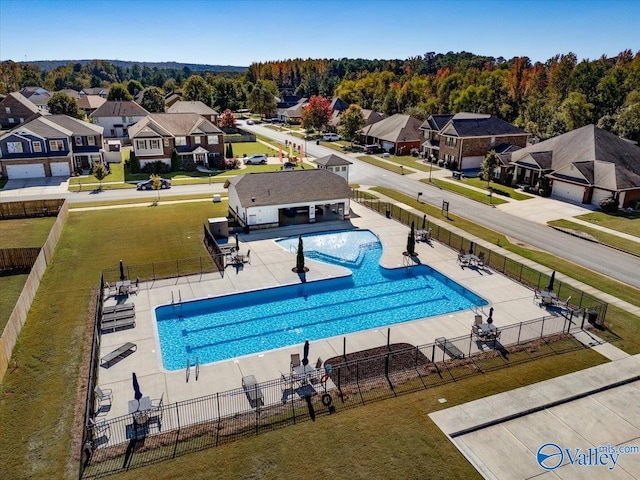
(18, 317)
(18, 258)
(32, 208)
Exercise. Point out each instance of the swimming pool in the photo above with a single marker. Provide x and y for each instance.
(230, 326)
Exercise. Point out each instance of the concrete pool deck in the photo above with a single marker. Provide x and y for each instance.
(271, 266)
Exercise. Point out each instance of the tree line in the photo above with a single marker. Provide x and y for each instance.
(545, 98)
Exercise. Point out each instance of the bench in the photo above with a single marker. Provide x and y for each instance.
(113, 325)
(449, 348)
(120, 307)
(118, 354)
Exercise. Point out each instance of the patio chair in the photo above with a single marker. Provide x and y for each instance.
(295, 360)
(481, 259)
(104, 394)
(247, 258)
(475, 330)
(99, 427)
(156, 403)
(564, 304)
(112, 288)
(477, 320)
(319, 363)
(135, 287)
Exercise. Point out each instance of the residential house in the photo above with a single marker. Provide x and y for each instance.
(72, 93)
(117, 117)
(273, 199)
(100, 91)
(335, 164)
(90, 103)
(38, 96)
(467, 138)
(195, 139)
(340, 106)
(292, 114)
(503, 173)
(431, 133)
(398, 132)
(583, 166)
(50, 146)
(170, 98)
(16, 109)
(195, 107)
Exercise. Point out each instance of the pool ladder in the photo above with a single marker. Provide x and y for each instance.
(188, 370)
(173, 302)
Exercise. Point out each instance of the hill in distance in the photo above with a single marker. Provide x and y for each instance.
(47, 65)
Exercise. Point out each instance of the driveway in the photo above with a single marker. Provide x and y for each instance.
(46, 186)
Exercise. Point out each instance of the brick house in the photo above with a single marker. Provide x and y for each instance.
(16, 109)
(195, 139)
(466, 138)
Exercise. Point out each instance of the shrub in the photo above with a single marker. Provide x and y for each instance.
(156, 167)
(175, 160)
(609, 205)
(134, 163)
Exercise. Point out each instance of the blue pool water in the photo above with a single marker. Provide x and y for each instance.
(234, 325)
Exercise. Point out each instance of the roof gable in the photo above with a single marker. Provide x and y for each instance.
(125, 108)
(332, 160)
(479, 125)
(396, 128)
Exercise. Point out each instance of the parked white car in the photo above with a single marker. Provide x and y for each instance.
(258, 159)
(330, 137)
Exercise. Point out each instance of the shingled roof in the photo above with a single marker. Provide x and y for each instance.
(191, 107)
(604, 159)
(125, 108)
(176, 124)
(396, 128)
(289, 187)
(332, 160)
(479, 125)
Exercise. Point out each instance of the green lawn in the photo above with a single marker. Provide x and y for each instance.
(622, 221)
(49, 351)
(465, 192)
(497, 188)
(116, 175)
(128, 201)
(11, 288)
(603, 237)
(253, 148)
(25, 232)
(392, 167)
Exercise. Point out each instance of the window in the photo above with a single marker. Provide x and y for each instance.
(165, 142)
(91, 140)
(344, 169)
(155, 143)
(141, 144)
(37, 147)
(124, 119)
(196, 140)
(450, 141)
(113, 132)
(7, 110)
(78, 141)
(181, 141)
(11, 120)
(14, 147)
(21, 120)
(56, 145)
(212, 139)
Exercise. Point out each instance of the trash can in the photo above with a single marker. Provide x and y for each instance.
(317, 142)
(592, 316)
(457, 175)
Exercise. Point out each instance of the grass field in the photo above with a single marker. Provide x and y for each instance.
(621, 221)
(497, 188)
(25, 232)
(615, 241)
(11, 288)
(392, 167)
(465, 192)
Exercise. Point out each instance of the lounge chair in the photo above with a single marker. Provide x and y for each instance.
(113, 325)
(475, 330)
(295, 360)
(118, 354)
(480, 262)
(118, 315)
(449, 348)
(120, 307)
(103, 395)
(253, 391)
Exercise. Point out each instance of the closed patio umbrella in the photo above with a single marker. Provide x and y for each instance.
(305, 356)
(237, 243)
(551, 280)
(490, 317)
(471, 248)
(424, 222)
(136, 387)
(121, 271)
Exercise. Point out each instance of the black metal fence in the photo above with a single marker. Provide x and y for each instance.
(160, 270)
(496, 261)
(353, 380)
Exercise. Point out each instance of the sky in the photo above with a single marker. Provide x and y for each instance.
(240, 32)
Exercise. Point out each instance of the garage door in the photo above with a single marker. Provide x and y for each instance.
(471, 162)
(598, 195)
(60, 169)
(34, 170)
(568, 191)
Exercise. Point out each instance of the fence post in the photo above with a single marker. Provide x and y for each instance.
(470, 343)
(388, 339)
(520, 277)
(219, 418)
(581, 297)
(519, 332)
(542, 327)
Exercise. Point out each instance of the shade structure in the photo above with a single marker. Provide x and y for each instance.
(551, 280)
(121, 271)
(305, 355)
(136, 387)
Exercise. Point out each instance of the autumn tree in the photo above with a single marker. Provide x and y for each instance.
(228, 119)
(197, 89)
(351, 122)
(153, 100)
(316, 113)
(118, 92)
(63, 104)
